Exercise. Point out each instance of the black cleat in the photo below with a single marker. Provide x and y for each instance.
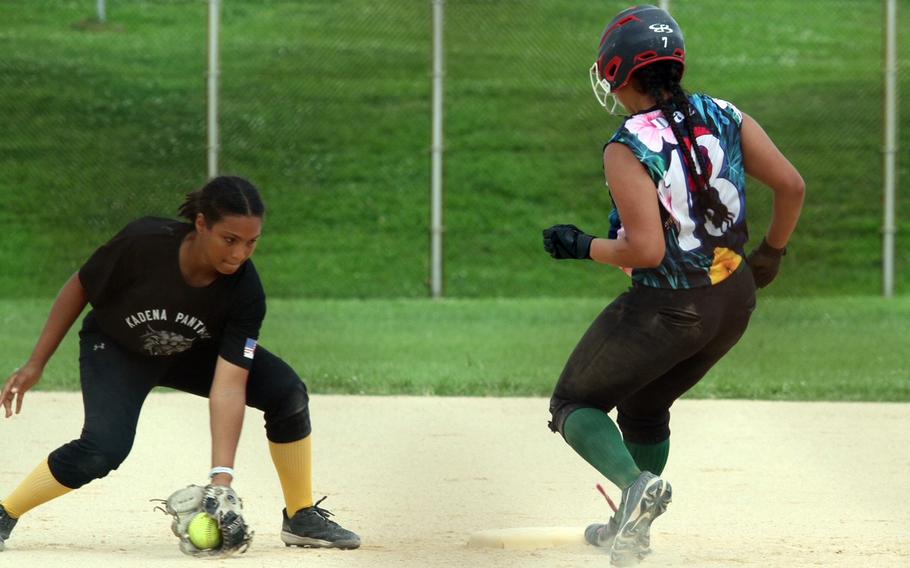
(6, 525)
(311, 527)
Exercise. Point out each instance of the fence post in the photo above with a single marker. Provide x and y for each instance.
(437, 229)
(889, 149)
(212, 80)
(102, 13)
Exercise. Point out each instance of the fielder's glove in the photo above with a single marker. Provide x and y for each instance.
(764, 261)
(218, 501)
(567, 241)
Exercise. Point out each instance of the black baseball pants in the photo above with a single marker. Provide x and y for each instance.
(647, 348)
(115, 384)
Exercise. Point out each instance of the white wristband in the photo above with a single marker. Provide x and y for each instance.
(221, 469)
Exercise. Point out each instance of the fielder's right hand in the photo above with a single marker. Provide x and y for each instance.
(22, 379)
(218, 501)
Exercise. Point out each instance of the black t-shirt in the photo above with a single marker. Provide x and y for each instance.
(140, 299)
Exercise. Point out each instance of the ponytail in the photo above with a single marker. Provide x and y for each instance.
(657, 80)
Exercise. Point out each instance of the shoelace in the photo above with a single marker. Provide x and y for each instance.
(324, 513)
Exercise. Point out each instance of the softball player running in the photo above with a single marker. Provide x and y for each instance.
(676, 172)
(179, 305)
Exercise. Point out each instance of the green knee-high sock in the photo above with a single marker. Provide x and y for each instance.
(650, 457)
(593, 434)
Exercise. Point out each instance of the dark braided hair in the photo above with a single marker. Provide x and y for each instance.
(222, 196)
(661, 80)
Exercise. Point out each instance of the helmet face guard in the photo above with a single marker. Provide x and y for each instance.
(604, 95)
(635, 38)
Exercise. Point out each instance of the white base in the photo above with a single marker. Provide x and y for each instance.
(527, 538)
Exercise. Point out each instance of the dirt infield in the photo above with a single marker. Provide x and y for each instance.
(755, 484)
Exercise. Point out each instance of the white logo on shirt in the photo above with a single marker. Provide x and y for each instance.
(164, 342)
(145, 316)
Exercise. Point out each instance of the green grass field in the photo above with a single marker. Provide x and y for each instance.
(325, 104)
(845, 348)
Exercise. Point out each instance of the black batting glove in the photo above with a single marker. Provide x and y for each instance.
(567, 241)
(764, 261)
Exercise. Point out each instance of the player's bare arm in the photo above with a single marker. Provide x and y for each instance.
(67, 307)
(764, 162)
(227, 401)
(635, 198)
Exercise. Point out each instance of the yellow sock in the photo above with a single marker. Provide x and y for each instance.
(39, 487)
(293, 461)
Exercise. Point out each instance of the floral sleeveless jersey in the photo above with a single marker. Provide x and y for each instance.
(698, 253)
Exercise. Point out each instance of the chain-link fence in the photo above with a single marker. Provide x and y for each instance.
(325, 104)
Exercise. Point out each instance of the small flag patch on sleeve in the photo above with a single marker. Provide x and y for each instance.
(250, 348)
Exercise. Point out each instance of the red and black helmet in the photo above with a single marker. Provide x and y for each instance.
(636, 37)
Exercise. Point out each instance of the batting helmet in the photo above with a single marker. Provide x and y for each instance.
(636, 37)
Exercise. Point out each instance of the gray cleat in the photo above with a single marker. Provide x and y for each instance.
(642, 502)
(6, 525)
(602, 534)
(311, 527)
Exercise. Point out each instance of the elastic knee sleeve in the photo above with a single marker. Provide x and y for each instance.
(288, 420)
(80, 461)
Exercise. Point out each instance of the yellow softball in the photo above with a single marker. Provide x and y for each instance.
(204, 532)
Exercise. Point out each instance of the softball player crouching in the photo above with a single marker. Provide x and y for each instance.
(178, 305)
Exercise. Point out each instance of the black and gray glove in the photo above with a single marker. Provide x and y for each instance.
(222, 504)
(764, 261)
(567, 241)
